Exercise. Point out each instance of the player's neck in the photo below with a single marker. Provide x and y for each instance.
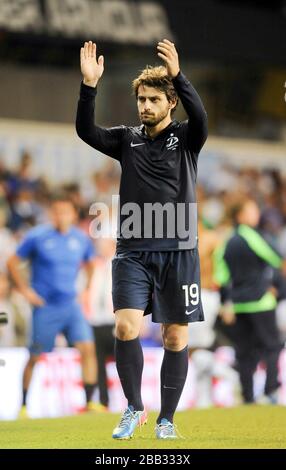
(153, 131)
(63, 229)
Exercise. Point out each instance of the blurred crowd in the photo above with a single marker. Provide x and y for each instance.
(267, 186)
(24, 203)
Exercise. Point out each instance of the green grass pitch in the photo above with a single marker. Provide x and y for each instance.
(252, 427)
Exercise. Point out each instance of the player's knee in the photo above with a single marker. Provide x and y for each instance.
(125, 330)
(33, 359)
(175, 337)
(172, 342)
(90, 349)
(86, 348)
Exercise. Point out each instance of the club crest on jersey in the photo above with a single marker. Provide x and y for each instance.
(73, 244)
(49, 244)
(172, 142)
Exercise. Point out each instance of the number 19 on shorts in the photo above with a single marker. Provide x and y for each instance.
(191, 294)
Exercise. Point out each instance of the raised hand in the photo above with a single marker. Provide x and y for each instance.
(91, 68)
(167, 52)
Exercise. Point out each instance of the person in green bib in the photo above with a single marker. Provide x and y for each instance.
(246, 269)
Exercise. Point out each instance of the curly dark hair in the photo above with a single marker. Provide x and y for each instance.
(156, 77)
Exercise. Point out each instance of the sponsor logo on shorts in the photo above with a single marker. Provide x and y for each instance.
(192, 311)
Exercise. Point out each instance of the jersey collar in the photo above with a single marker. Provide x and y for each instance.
(160, 135)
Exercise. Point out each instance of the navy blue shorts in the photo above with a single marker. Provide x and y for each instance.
(51, 320)
(164, 283)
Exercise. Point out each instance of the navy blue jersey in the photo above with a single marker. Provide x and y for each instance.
(161, 170)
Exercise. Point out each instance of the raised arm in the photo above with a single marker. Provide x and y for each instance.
(197, 117)
(106, 140)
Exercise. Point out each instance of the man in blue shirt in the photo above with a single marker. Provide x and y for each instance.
(56, 252)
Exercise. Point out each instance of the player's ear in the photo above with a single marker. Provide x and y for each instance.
(172, 104)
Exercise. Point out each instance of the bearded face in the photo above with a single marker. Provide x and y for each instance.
(153, 106)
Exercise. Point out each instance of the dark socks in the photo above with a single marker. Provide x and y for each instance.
(173, 377)
(129, 363)
(24, 402)
(89, 389)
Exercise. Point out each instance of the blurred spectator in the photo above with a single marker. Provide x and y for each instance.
(7, 333)
(24, 211)
(245, 271)
(23, 179)
(73, 190)
(56, 252)
(7, 240)
(104, 183)
(202, 335)
(15, 332)
(101, 315)
(25, 198)
(4, 172)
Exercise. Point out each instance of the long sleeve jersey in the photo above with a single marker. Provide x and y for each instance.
(245, 269)
(156, 173)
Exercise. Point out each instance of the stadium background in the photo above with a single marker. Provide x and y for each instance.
(235, 54)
